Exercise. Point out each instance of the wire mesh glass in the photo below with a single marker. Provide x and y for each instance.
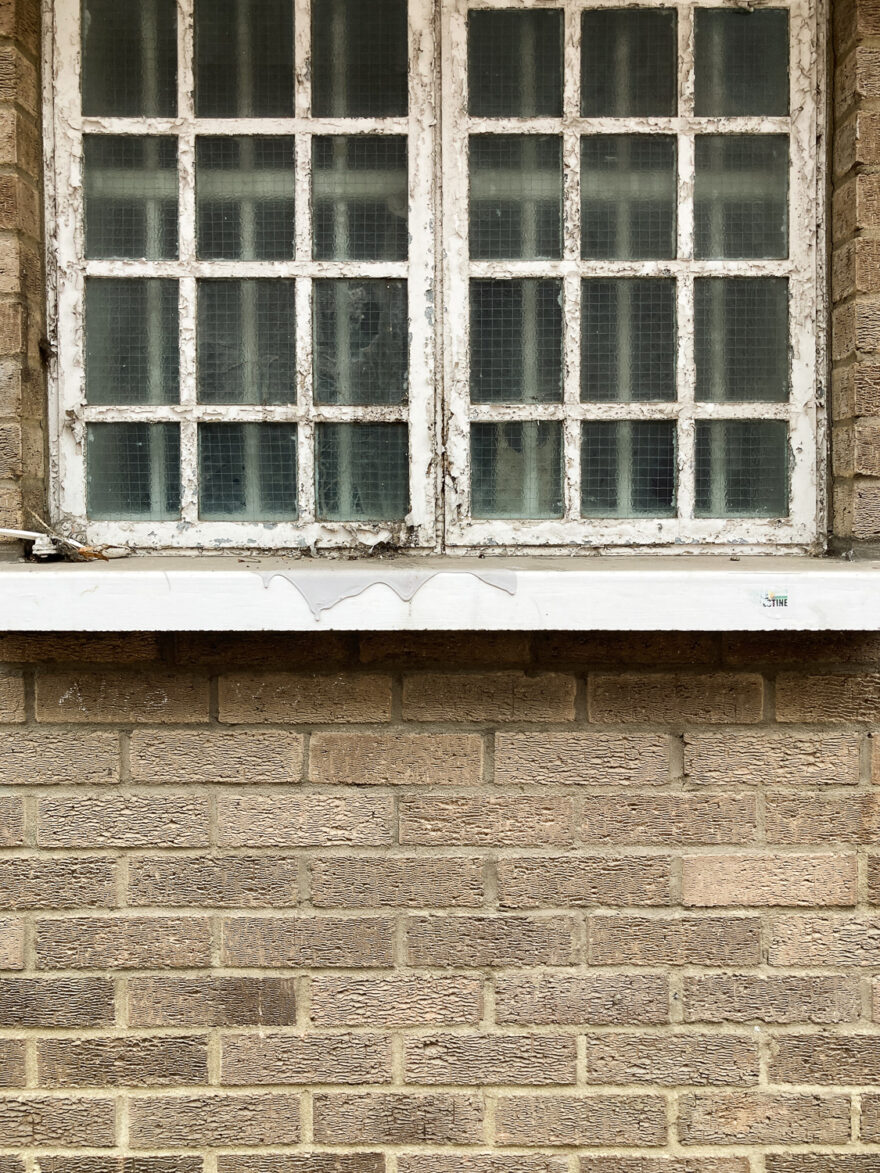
(133, 472)
(129, 59)
(132, 349)
(244, 58)
(360, 200)
(516, 469)
(246, 346)
(361, 341)
(515, 196)
(515, 64)
(628, 340)
(628, 196)
(130, 188)
(741, 196)
(244, 198)
(359, 59)
(742, 468)
(742, 339)
(247, 472)
(741, 62)
(628, 468)
(516, 341)
(362, 472)
(629, 63)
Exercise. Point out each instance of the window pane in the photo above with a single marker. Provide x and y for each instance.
(628, 196)
(742, 339)
(516, 341)
(741, 61)
(515, 196)
(133, 472)
(129, 58)
(359, 58)
(628, 63)
(628, 468)
(742, 468)
(244, 198)
(516, 469)
(132, 349)
(361, 341)
(246, 342)
(362, 472)
(247, 472)
(515, 64)
(130, 196)
(628, 340)
(360, 198)
(741, 196)
(244, 58)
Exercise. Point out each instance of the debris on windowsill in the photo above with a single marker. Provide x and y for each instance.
(52, 546)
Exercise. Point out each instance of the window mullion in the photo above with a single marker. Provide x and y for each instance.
(685, 368)
(571, 104)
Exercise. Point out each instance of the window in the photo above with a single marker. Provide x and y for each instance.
(308, 293)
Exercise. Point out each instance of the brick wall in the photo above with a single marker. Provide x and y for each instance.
(555, 904)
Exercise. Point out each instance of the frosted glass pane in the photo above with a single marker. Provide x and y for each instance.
(516, 469)
(247, 472)
(361, 341)
(628, 340)
(628, 468)
(359, 58)
(132, 348)
(742, 468)
(515, 64)
(516, 341)
(360, 198)
(130, 196)
(741, 196)
(362, 472)
(133, 472)
(741, 61)
(244, 58)
(628, 63)
(244, 198)
(129, 58)
(628, 196)
(742, 339)
(246, 342)
(515, 196)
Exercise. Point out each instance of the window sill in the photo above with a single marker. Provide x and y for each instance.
(463, 594)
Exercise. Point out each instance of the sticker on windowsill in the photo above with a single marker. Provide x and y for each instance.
(774, 599)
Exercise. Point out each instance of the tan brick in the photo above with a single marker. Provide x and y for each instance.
(861, 73)
(211, 1001)
(665, 1165)
(12, 1063)
(45, 1120)
(121, 696)
(313, 941)
(239, 756)
(712, 881)
(395, 1118)
(21, 19)
(706, 697)
(470, 1162)
(497, 1059)
(866, 509)
(57, 883)
(672, 1059)
(475, 941)
(853, 818)
(300, 1163)
(296, 700)
(578, 881)
(124, 820)
(390, 759)
(572, 999)
(288, 819)
(660, 819)
(745, 759)
(19, 211)
(494, 821)
(590, 759)
(746, 997)
(77, 648)
(445, 649)
(229, 881)
(11, 944)
(195, 1121)
(11, 821)
(60, 1002)
(11, 697)
(10, 451)
(58, 758)
(870, 1129)
(580, 1120)
(625, 649)
(488, 696)
(401, 1000)
(135, 1061)
(824, 1059)
(801, 697)
(131, 942)
(824, 940)
(298, 1059)
(107, 1164)
(390, 881)
(821, 1162)
(255, 649)
(752, 1117)
(634, 940)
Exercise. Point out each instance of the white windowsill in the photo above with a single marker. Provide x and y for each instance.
(446, 594)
